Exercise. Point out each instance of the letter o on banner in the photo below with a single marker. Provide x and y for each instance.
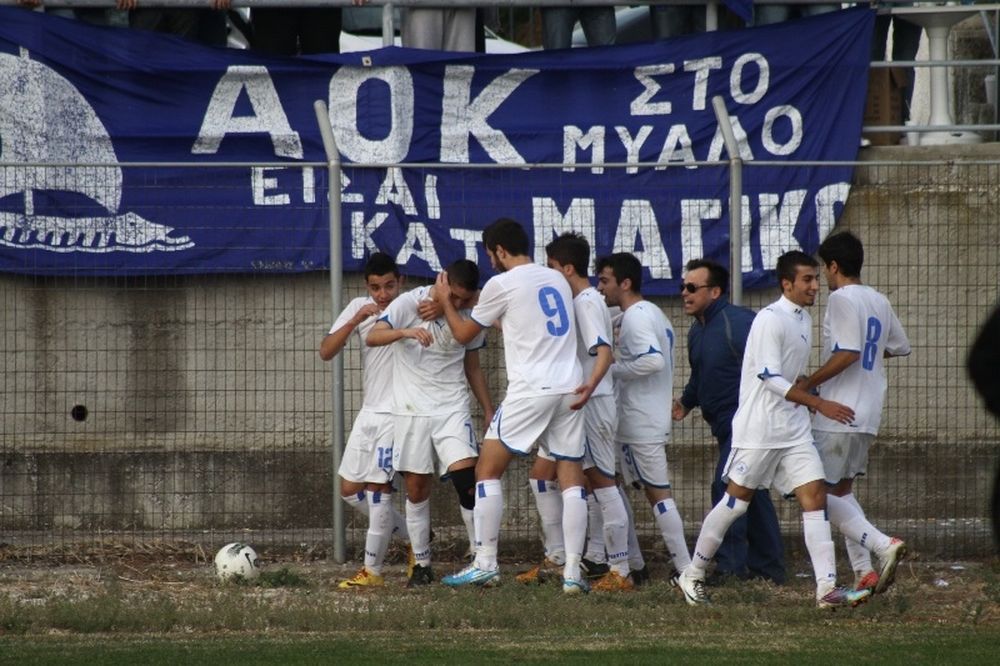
(343, 105)
(736, 78)
(794, 136)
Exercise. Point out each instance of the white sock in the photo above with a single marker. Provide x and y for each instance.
(668, 519)
(614, 520)
(470, 527)
(574, 529)
(357, 501)
(418, 522)
(595, 530)
(819, 543)
(549, 501)
(399, 529)
(379, 524)
(861, 557)
(852, 523)
(713, 530)
(488, 514)
(635, 559)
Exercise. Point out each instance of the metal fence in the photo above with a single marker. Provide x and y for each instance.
(195, 409)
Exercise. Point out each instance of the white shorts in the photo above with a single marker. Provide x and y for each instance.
(600, 421)
(784, 469)
(844, 454)
(518, 424)
(368, 454)
(644, 464)
(420, 440)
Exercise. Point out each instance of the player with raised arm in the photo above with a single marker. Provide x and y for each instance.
(860, 330)
(772, 436)
(643, 372)
(430, 404)
(533, 306)
(366, 467)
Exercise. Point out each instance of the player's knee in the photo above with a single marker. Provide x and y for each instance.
(465, 484)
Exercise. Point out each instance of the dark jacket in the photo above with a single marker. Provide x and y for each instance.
(715, 352)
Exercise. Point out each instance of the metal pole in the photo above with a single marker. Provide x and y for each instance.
(388, 29)
(336, 297)
(735, 202)
(711, 16)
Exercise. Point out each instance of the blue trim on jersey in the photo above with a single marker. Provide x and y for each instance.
(601, 342)
(652, 350)
(767, 374)
(838, 348)
(478, 323)
(385, 318)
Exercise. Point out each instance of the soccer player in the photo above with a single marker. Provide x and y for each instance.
(772, 437)
(643, 373)
(752, 547)
(860, 330)
(533, 305)
(430, 404)
(366, 468)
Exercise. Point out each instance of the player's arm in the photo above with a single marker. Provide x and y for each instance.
(383, 334)
(604, 359)
(477, 383)
(334, 342)
(464, 330)
(839, 361)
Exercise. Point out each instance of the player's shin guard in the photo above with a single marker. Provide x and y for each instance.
(379, 531)
(668, 519)
(819, 543)
(861, 557)
(713, 530)
(853, 524)
(615, 527)
(548, 499)
(418, 522)
(464, 481)
(488, 514)
(595, 530)
(574, 529)
(635, 559)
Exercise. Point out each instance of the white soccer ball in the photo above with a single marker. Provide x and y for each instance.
(237, 561)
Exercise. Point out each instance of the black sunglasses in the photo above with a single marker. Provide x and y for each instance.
(692, 288)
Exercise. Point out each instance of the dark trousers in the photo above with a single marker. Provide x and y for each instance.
(752, 547)
(293, 31)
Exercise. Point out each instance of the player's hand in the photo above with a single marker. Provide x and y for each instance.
(835, 411)
(584, 391)
(442, 288)
(678, 411)
(488, 419)
(421, 335)
(126, 4)
(429, 310)
(367, 310)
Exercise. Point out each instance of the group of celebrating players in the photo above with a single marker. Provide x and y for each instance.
(590, 379)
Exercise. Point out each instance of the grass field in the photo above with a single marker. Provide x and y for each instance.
(130, 610)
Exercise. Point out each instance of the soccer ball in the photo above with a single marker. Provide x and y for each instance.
(236, 561)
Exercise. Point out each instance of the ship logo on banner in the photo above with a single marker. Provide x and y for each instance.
(47, 121)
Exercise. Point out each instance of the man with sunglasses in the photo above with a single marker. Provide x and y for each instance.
(752, 547)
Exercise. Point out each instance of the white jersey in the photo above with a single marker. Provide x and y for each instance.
(427, 381)
(644, 374)
(778, 345)
(859, 318)
(533, 305)
(593, 320)
(376, 362)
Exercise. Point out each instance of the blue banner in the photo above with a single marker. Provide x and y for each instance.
(72, 94)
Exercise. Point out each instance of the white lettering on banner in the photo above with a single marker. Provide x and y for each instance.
(308, 185)
(261, 183)
(268, 115)
(431, 196)
(795, 136)
(633, 145)
(418, 244)
(736, 78)
(549, 222)
(746, 224)
(677, 147)
(345, 86)
(348, 197)
(361, 233)
(718, 143)
(637, 228)
(826, 201)
(777, 225)
(641, 105)
(693, 211)
(701, 67)
(394, 190)
(463, 118)
(469, 238)
(593, 140)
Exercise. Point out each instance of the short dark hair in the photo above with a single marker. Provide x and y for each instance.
(718, 275)
(846, 249)
(380, 264)
(624, 266)
(789, 262)
(464, 273)
(570, 249)
(508, 234)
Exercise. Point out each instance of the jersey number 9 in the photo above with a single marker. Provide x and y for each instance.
(552, 305)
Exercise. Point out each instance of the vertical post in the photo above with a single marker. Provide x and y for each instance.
(336, 296)
(735, 201)
(711, 16)
(388, 29)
